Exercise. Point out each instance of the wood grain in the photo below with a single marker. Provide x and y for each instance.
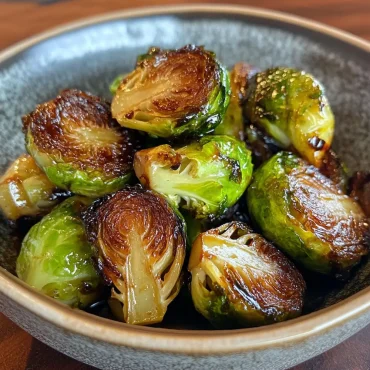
(21, 19)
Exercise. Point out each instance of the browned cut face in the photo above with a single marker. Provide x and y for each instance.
(78, 128)
(134, 214)
(172, 84)
(333, 217)
(267, 280)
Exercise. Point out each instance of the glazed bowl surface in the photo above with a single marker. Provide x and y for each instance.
(88, 55)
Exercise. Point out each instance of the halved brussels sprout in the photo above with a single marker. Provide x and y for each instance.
(140, 243)
(173, 93)
(306, 215)
(204, 177)
(240, 280)
(360, 190)
(74, 139)
(25, 190)
(56, 257)
(291, 107)
(233, 122)
(333, 168)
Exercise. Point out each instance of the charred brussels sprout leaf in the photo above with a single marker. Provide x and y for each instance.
(334, 169)
(25, 190)
(205, 177)
(74, 139)
(140, 243)
(306, 215)
(360, 190)
(291, 107)
(56, 258)
(173, 93)
(241, 280)
(233, 122)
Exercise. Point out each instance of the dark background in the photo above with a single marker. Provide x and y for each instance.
(21, 19)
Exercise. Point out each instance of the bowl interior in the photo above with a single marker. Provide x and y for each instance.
(90, 57)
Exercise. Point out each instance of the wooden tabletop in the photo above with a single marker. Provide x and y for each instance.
(21, 19)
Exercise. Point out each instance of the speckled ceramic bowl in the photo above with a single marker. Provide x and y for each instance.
(87, 55)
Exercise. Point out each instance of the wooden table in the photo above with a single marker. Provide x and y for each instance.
(21, 19)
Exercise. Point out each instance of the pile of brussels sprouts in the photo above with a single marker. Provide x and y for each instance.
(191, 170)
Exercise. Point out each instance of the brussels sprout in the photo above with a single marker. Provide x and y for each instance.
(333, 168)
(56, 258)
(204, 177)
(74, 139)
(241, 280)
(291, 107)
(140, 242)
(174, 93)
(233, 122)
(26, 191)
(115, 83)
(360, 190)
(306, 215)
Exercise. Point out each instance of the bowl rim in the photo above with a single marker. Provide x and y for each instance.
(185, 342)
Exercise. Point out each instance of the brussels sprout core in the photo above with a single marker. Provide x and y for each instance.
(74, 139)
(241, 280)
(140, 244)
(205, 177)
(291, 107)
(306, 215)
(173, 93)
(56, 258)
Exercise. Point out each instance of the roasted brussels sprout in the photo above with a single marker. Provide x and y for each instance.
(306, 215)
(25, 190)
(333, 168)
(74, 139)
(174, 93)
(140, 242)
(360, 190)
(233, 122)
(56, 258)
(291, 107)
(240, 280)
(204, 177)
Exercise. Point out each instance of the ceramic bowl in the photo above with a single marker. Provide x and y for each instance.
(88, 55)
